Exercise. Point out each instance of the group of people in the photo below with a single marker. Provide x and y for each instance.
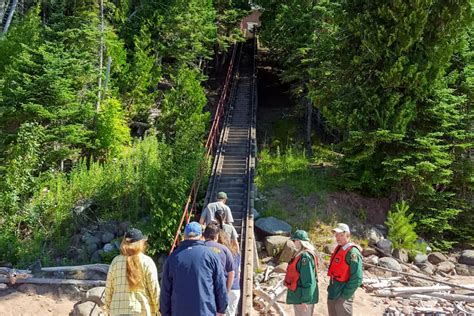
(202, 276)
(345, 273)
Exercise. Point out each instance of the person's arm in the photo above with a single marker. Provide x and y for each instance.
(233, 239)
(204, 214)
(307, 276)
(230, 280)
(152, 286)
(109, 287)
(228, 215)
(219, 284)
(354, 259)
(165, 294)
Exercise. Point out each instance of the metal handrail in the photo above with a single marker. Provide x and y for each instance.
(214, 133)
(248, 255)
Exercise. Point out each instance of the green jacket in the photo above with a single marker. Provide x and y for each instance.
(347, 289)
(307, 289)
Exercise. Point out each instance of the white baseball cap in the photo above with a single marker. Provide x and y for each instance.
(341, 227)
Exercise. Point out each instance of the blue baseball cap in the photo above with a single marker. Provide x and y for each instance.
(193, 229)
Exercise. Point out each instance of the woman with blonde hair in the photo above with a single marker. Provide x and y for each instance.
(132, 281)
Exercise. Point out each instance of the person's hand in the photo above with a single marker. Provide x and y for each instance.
(220, 314)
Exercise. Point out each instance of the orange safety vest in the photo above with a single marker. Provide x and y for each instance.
(339, 270)
(293, 275)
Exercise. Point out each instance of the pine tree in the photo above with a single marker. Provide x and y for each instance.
(401, 228)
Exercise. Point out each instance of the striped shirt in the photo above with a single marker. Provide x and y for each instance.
(119, 300)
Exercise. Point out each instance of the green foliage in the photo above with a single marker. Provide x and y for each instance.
(401, 228)
(112, 129)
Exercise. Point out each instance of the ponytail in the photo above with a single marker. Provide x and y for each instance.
(220, 217)
(132, 250)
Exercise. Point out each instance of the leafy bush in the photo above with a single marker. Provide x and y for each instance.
(401, 228)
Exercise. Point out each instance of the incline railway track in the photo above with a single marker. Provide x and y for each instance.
(232, 138)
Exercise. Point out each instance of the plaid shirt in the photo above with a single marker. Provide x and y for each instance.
(119, 300)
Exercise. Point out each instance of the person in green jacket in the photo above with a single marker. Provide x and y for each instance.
(301, 276)
(345, 271)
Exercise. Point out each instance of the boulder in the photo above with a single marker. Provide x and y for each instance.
(445, 266)
(390, 263)
(417, 281)
(464, 269)
(420, 258)
(256, 214)
(108, 248)
(91, 248)
(107, 237)
(96, 295)
(329, 248)
(275, 244)
(426, 267)
(90, 239)
(400, 254)
(288, 252)
(260, 246)
(373, 235)
(385, 246)
(122, 228)
(110, 227)
(273, 226)
(467, 257)
(368, 251)
(436, 257)
(97, 256)
(86, 309)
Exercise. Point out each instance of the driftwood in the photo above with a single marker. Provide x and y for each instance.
(88, 267)
(271, 297)
(422, 277)
(47, 281)
(421, 289)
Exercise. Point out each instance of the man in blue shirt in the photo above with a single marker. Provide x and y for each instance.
(193, 281)
(211, 233)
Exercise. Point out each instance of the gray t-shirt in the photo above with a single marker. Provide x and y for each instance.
(230, 231)
(208, 214)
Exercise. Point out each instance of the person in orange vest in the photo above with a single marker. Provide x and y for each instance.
(301, 277)
(345, 271)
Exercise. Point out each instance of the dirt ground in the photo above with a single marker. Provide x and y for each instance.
(25, 300)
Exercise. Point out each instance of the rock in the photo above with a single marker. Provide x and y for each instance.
(107, 237)
(90, 239)
(3, 286)
(373, 235)
(122, 228)
(436, 257)
(260, 246)
(416, 281)
(400, 254)
(281, 268)
(464, 269)
(96, 295)
(369, 252)
(110, 227)
(86, 309)
(390, 263)
(467, 257)
(275, 244)
(97, 256)
(383, 229)
(256, 214)
(273, 226)
(385, 245)
(108, 248)
(288, 252)
(329, 248)
(91, 248)
(420, 259)
(373, 260)
(116, 244)
(445, 266)
(426, 267)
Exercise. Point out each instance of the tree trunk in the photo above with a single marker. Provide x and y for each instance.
(309, 115)
(3, 8)
(101, 55)
(10, 16)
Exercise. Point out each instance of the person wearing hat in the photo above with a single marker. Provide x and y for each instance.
(208, 215)
(193, 281)
(132, 281)
(345, 271)
(301, 277)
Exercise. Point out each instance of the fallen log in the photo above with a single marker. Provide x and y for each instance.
(422, 277)
(432, 295)
(99, 267)
(54, 281)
